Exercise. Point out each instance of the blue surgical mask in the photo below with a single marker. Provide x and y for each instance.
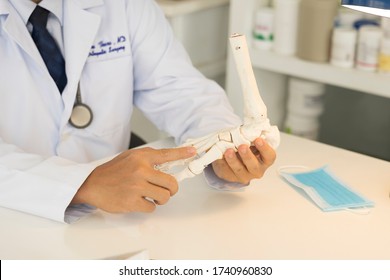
(328, 192)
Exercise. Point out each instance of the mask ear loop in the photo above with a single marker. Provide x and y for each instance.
(362, 211)
(283, 167)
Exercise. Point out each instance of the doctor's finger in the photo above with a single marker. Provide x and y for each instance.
(223, 170)
(157, 194)
(250, 161)
(166, 155)
(238, 167)
(163, 180)
(267, 153)
(145, 205)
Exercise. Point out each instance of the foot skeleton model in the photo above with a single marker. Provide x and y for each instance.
(256, 123)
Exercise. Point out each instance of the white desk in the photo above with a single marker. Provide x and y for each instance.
(269, 220)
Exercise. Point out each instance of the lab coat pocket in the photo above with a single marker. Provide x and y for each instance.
(89, 144)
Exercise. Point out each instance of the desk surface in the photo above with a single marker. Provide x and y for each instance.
(269, 220)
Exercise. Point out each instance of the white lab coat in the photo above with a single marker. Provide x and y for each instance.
(124, 54)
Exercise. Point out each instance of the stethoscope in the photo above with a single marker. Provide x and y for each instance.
(81, 116)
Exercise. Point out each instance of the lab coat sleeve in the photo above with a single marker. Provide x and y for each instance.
(41, 186)
(221, 185)
(168, 89)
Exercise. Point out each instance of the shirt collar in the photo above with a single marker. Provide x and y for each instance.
(26, 7)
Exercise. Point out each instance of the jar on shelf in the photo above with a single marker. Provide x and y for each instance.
(305, 98)
(263, 32)
(343, 47)
(369, 42)
(286, 26)
(316, 21)
(304, 107)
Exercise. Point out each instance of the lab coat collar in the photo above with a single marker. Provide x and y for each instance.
(79, 30)
(24, 8)
(83, 4)
(4, 7)
(16, 29)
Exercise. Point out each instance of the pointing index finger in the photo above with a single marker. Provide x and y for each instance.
(166, 155)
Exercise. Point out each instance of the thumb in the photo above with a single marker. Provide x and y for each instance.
(166, 155)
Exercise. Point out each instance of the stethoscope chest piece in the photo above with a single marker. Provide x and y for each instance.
(81, 116)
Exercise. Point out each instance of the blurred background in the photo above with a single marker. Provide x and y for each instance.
(322, 70)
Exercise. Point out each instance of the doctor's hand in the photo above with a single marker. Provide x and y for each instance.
(247, 164)
(129, 182)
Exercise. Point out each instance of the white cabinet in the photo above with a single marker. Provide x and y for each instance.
(241, 21)
(202, 27)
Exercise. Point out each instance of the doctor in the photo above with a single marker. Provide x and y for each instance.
(60, 163)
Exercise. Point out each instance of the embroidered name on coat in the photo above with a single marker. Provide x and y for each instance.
(109, 48)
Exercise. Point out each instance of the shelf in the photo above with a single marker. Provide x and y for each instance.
(174, 8)
(368, 82)
(241, 21)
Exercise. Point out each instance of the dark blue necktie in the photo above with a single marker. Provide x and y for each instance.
(47, 47)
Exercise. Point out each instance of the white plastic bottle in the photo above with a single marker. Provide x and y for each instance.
(343, 47)
(263, 32)
(286, 26)
(369, 41)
